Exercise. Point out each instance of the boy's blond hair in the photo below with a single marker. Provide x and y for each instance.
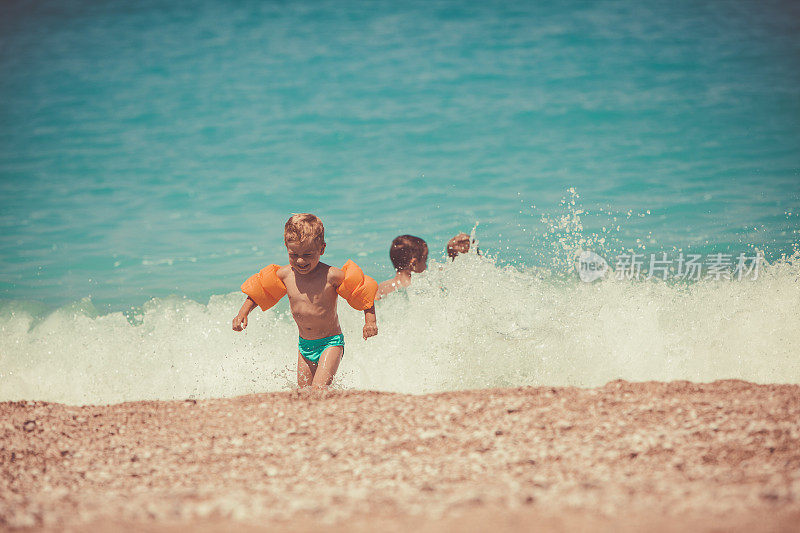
(304, 227)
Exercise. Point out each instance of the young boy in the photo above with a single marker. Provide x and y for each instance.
(312, 287)
(409, 255)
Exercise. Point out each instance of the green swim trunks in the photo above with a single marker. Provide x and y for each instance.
(312, 349)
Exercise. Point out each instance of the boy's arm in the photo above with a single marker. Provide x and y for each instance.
(370, 323)
(240, 320)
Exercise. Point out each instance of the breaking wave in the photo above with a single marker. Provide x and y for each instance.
(466, 324)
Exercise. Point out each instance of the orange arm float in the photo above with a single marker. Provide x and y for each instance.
(359, 290)
(265, 288)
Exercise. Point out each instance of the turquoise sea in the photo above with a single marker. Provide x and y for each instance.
(150, 153)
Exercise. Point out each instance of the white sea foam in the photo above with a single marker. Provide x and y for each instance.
(467, 324)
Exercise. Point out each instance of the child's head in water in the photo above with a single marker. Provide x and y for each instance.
(304, 236)
(458, 245)
(409, 254)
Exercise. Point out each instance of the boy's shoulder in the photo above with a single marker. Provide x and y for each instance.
(386, 286)
(335, 275)
(283, 271)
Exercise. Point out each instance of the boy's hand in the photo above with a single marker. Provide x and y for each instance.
(239, 322)
(370, 330)
(370, 323)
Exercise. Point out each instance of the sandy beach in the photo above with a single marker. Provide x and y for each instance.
(626, 456)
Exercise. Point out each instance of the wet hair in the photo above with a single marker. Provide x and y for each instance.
(405, 248)
(304, 227)
(458, 245)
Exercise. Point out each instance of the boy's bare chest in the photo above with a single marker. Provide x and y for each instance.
(327, 298)
(316, 293)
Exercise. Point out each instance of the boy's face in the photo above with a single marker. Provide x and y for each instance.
(304, 256)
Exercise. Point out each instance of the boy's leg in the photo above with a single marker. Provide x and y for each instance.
(327, 366)
(305, 371)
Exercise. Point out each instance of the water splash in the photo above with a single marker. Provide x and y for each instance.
(469, 323)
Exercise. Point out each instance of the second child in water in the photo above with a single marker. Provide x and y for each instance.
(409, 255)
(312, 288)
